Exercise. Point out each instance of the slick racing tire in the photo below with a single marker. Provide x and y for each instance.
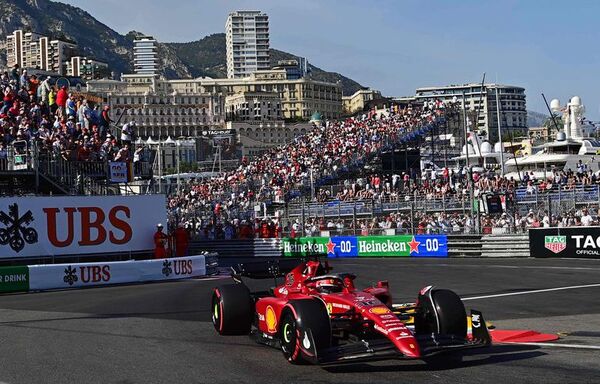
(232, 309)
(297, 317)
(441, 311)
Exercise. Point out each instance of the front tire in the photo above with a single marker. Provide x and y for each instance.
(441, 311)
(296, 319)
(232, 309)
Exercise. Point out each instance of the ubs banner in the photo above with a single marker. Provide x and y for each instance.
(565, 242)
(45, 226)
(368, 246)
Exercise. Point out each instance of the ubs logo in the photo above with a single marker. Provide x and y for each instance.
(17, 231)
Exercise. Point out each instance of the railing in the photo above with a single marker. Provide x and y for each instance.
(73, 177)
(579, 194)
(370, 207)
(17, 158)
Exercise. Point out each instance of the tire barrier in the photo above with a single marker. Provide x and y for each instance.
(77, 275)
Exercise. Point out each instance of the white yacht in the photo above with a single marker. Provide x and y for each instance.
(561, 154)
(482, 157)
(570, 147)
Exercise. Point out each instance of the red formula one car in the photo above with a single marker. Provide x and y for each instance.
(319, 317)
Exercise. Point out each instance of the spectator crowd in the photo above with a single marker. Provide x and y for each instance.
(285, 172)
(61, 123)
(281, 174)
(64, 125)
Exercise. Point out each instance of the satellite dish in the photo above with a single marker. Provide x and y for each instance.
(486, 147)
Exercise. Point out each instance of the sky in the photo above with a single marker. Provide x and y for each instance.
(396, 46)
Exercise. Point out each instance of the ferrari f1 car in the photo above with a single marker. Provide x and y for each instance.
(319, 317)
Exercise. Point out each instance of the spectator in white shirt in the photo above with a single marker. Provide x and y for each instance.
(586, 219)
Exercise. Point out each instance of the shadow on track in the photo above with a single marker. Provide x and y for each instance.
(492, 355)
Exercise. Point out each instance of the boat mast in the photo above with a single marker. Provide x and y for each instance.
(499, 132)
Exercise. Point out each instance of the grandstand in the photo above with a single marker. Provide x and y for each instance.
(58, 143)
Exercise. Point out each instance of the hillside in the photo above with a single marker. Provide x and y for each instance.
(204, 57)
(536, 119)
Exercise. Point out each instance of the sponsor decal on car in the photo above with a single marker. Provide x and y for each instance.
(379, 310)
(306, 341)
(555, 244)
(329, 307)
(380, 329)
(289, 279)
(391, 321)
(341, 306)
(271, 319)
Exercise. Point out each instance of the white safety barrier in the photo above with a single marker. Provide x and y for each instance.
(76, 275)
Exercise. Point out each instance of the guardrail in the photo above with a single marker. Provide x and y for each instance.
(78, 275)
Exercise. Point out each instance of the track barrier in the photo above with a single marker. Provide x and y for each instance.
(565, 242)
(367, 246)
(77, 275)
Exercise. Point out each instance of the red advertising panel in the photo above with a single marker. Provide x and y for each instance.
(44, 226)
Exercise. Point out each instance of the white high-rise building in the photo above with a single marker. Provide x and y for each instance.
(33, 50)
(247, 37)
(145, 57)
(480, 105)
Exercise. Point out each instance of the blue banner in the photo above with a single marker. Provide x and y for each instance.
(431, 246)
(343, 246)
(368, 246)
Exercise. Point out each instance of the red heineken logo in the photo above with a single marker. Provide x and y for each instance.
(555, 244)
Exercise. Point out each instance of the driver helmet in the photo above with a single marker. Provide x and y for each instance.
(328, 285)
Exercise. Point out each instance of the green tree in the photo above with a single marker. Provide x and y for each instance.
(550, 123)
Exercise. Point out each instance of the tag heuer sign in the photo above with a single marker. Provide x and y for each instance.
(555, 244)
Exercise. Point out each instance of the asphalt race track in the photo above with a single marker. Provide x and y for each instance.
(161, 333)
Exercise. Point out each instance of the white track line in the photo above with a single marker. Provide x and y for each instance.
(558, 345)
(528, 292)
(512, 267)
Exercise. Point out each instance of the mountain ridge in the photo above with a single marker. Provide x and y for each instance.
(96, 39)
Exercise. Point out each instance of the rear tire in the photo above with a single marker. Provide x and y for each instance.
(303, 315)
(445, 315)
(232, 309)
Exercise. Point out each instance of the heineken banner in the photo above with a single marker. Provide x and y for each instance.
(565, 242)
(367, 246)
